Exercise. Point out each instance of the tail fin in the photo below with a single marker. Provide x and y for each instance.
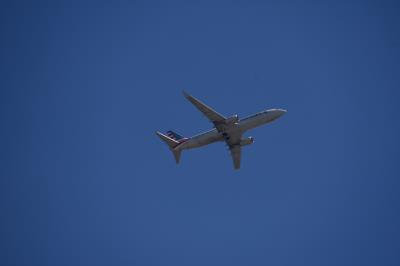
(174, 135)
(172, 143)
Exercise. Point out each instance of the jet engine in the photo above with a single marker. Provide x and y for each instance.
(247, 141)
(233, 119)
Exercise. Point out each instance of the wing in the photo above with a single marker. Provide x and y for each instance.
(233, 139)
(216, 118)
(231, 134)
(236, 151)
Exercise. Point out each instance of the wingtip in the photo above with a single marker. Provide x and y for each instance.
(185, 94)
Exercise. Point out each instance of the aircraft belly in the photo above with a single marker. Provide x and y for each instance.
(250, 123)
(205, 139)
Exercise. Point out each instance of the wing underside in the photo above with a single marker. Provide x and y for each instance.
(232, 140)
(212, 115)
(236, 151)
(231, 133)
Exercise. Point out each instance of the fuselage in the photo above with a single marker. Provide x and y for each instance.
(242, 125)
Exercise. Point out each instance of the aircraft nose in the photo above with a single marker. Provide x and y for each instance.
(281, 111)
(276, 112)
(273, 114)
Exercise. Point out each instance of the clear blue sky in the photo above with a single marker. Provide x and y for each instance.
(85, 181)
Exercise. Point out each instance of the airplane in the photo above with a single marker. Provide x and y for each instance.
(229, 129)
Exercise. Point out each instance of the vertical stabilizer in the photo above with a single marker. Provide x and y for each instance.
(172, 143)
(169, 141)
(177, 155)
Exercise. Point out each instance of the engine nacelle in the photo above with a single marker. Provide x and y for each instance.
(247, 141)
(233, 119)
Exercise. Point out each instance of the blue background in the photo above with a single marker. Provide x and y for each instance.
(85, 181)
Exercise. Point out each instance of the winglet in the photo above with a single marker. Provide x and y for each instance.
(188, 96)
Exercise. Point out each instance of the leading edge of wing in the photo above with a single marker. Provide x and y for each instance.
(210, 113)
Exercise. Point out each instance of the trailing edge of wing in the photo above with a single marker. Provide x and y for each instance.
(211, 114)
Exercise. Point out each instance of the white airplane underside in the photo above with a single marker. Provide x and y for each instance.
(225, 129)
